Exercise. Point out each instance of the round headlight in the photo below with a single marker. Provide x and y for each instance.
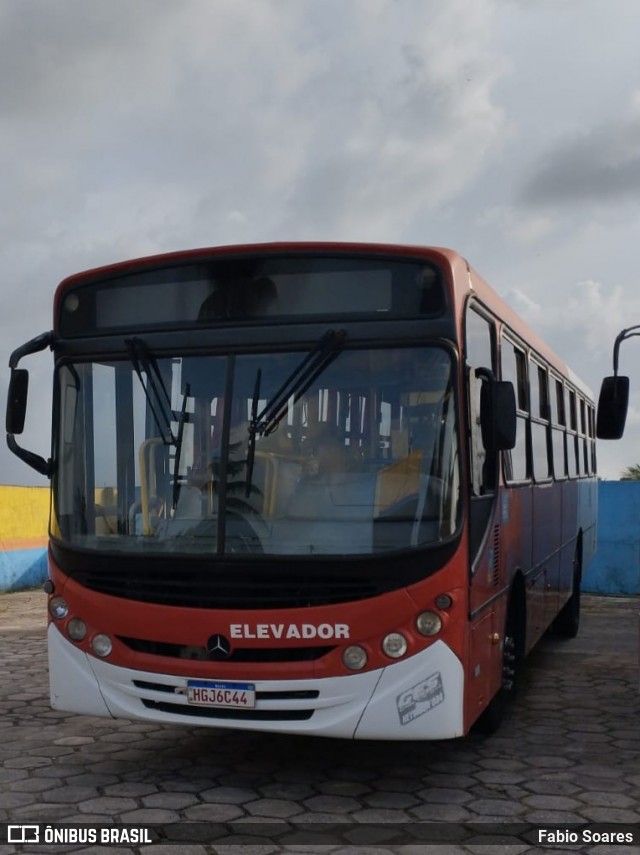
(428, 623)
(58, 608)
(394, 645)
(76, 629)
(444, 601)
(355, 657)
(101, 645)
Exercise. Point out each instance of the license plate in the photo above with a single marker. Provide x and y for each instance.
(206, 693)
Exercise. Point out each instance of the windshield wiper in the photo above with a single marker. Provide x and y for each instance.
(297, 383)
(154, 389)
(176, 460)
(159, 401)
(251, 450)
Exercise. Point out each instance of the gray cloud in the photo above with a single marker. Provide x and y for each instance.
(599, 167)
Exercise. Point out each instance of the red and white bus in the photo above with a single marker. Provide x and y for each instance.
(323, 488)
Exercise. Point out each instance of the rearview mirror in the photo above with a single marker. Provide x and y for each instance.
(612, 407)
(498, 415)
(17, 400)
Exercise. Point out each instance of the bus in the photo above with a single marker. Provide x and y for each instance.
(334, 489)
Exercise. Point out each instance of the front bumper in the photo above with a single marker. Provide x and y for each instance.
(416, 698)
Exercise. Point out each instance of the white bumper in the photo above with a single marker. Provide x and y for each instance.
(416, 698)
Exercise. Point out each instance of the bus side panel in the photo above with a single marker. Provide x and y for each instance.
(570, 529)
(545, 558)
(517, 540)
(581, 503)
(580, 507)
(506, 551)
(485, 655)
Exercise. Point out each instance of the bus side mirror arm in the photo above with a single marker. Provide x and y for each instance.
(497, 412)
(17, 403)
(613, 401)
(44, 467)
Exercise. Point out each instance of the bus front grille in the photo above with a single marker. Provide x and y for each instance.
(196, 590)
(238, 654)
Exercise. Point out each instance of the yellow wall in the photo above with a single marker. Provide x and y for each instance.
(24, 517)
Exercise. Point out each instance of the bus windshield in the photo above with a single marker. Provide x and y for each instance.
(231, 454)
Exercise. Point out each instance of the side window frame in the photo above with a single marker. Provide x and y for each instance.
(518, 375)
(593, 467)
(558, 427)
(540, 420)
(483, 476)
(583, 441)
(573, 469)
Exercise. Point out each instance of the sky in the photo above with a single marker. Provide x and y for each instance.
(508, 130)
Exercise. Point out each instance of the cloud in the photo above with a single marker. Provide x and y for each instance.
(132, 128)
(333, 117)
(525, 306)
(410, 135)
(518, 225)
(601, 165)
(589, 316)
(580, 324)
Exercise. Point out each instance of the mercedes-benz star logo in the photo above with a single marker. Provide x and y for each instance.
(219, 647)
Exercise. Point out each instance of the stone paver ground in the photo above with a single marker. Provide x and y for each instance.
(568, 752)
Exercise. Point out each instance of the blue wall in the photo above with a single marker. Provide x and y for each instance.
(616, 567)
(22, 568)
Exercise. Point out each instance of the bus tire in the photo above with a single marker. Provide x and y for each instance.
(491, 717)
(567, 624)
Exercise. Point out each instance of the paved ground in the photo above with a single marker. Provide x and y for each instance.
(569, 752)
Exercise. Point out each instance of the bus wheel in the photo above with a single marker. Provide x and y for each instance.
(567, 623)
(491, 718)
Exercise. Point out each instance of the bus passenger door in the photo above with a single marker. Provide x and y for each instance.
(487, 623)
(482, 464)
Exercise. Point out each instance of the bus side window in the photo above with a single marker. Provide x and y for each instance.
(514, 369)
(539, 394)
(479, 344)
(572, 428)
(558, 422)
(592, 444)
(583, 444)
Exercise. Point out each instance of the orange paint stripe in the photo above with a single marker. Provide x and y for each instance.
(23, 543)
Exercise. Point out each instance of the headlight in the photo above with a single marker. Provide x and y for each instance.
(76, 629)
(58, 608)
(101, 645)
(394, 645)
(428, 623)
(355, 657)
